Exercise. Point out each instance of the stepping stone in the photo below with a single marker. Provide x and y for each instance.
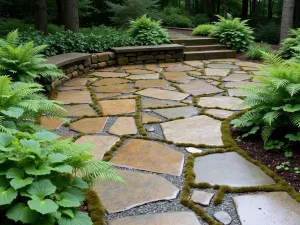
(51, 123)
(223, 217)
(65, 136)
(72, 88)
(138, 71)
(259, 73)
(108, 69)
(163, 94)
(130, 67)
(193, 150)
(178, 77)
(189, 101)
(168, 218)
(146, 118)
(116, 107)
(150, 156)
(123, 125)
(237, 77)
(237, 93)
(249, 68)
(194, 130)
(102, 144)
(249, 64)
(153, 103)
(151, 83)
(195, 73)
(89, 125)
(224, 60)
(78, 81)
(79, 110)
(77, 97)
(198, 87)
(121, 88)
(217, 72)
(229, 169)
(222, 66)
(110, 81)
(140, 189)
(240, 83)
(194, 63)
(219, 113)
(107, 95)
(165, 65)
(108, 74)
(153, 68)
(179, 68)
(169, 88)
(148, 76)
(127, 96)
(223, 102)
(267, 209)
(202, 197)
(176, 112)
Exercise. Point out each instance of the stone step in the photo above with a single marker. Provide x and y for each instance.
(212, 54)
(199, 48)
(195, 41)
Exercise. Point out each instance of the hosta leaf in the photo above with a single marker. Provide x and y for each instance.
(293, 137)
(5, 139)
(68, 200)
(57, 157)
(68, 212)
(63, 169)
(41, 170)
(291, 108)
(252, 131)
(46, 136)
(77, 192)
(14, 112)
(21, 212)
(14, 173)
(41, 188)
(43, 206)
(31, 144)
(79, 218)
(7, 195)
(77, 182)
(18, 183)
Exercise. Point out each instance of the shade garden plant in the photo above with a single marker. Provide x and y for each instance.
(203, 29)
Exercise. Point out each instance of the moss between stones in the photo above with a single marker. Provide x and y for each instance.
(173, 84)
(96, 210)
(138, 118)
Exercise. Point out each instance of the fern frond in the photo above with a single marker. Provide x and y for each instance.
(295, 119)
(293, 89)
(266, 133)
(270, 117)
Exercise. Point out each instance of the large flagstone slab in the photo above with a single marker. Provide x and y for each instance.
(198, 87)
(102, 144)
(51, 123)
(237, 77)
(249, 64)
(78, 81)
(179, 68)
(150, 156)
(140, 188)
(219, 113)
(222, 66)
(234, 92)
(170, 113)
(72, 88)
(108, 74)
(138, 71)
(77, 97)
(146, 118)
(89, 125)
(79, 110)
(121, 88)
(163, 94)
(107, 95)
(240, 83)
(151, 83)
(153, 103)
(229, 169)
(224, 102)
(194, 63)
(168, 218)
(194, 130)
(123, 125)
(116, 107)
(216, 72)
(110, 81)
(147, 76)
(277, 208)
(178, 77)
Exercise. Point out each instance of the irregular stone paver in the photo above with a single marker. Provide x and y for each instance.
(259, 73)
(149, 156)
(178, 77)
(138, 72)
(240, 83)
(107, 95)
(116, 107)
(131, 67)
(248, 64)
(194, 130)
(195, 73)
(108, 69)
(171, 113)
(123, 125)
(148, 76)
(72, 88)
(78, 81)
(163, 94)
(219, 113)
(229, 169)
(224, 102)
(146, 118)
(89, 125)
(151, 83)
(194, 63)
(152, 103)
(216, 72)
(77, 97)
(140, 188)
(168, 218)
(102, 144)
(121, 88)
(153, 68)
(267, 209)
(198, 87)
(110, 81)
(179, 68)
(249, 68)
(80, 110)
(51, 123)
(223, 217)
(202, 197)
(193, 150)
(237, 93)
(237, 77)
(165, 65)
(222, 66)
(109, 74)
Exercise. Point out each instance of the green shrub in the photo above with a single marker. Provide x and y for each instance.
(175, 17)
(148, 32)
(9, 24)
(275, 106)
(288, 45)
(234, 33)
(203, 29)
(53, 28)
(255, 51)
(199, 19)
(269, 33)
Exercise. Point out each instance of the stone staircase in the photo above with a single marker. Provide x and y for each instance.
(204, 48)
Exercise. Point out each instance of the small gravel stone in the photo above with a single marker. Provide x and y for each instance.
(150, 129)
(223, 217)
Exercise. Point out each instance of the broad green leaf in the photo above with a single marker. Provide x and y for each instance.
(41, 188)
(41, 170)
(80, 218)
(4, 182)
(291, 108)
(77, 192)
(252, 131)
(293, 137)
(68, 212)
(14, 112)
(18, 183)
(45, 136)
(9, 124)
(68, 200)
(14, 173)
(43, 206)
(7, 195)
(57, 157)
(77, 182)
(31, 144)
(5, 139)
(21, 212)
(63, 169)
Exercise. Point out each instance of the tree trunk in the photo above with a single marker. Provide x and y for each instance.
(286, 18)
(270, 9)
(253, 7)
(245, 7)
(40, 15)
(218, 7)
(71, 19)
(60, 12)
(188, 6)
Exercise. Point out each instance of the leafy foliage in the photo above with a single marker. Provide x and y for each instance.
(268, 33)
(203, 29)
(255, 51)
(288, 45)
(9, 24)
(200, 19)
(233, 32)
(148, 32)
(175, 17)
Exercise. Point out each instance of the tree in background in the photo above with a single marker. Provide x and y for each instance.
(40, 15)
(71, 18)
(188, 6)
(287, 18)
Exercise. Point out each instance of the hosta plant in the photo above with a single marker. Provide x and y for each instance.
(288, 45)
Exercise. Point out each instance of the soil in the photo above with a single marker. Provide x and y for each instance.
(271, 158)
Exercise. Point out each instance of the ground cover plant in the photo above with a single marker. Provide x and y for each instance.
(289, 45)
(175, 17)
(256, 50)
(203, 29)
(268, 33)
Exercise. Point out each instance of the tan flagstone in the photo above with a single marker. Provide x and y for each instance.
(153, 103)
(222, 66)
(108, 69)
(127, 96)
(224, 102)
(51, 123)
(179, 68)
(123, 125)
(199, 87)
(116, 107)
(164, 65)
(110, 81)
(250, 68)
(68, 97)
(106, 95)
(154, 68)
(195, 73)
(150, 76)
(108, 74)
(138, 72)
(78, 81)
(224, 60)
(89, 125)
(131, 67)
(216, 72)
(219, 113)
(236, 93)
(121, 88)
(194, 63)
(237, 77)
(240, 83)
(79, 110)
(151, 83)
(163, 94)
(146, 118)
(169, 88)
(72, 88)
(178, 77)
(248, 64)
(102, 144)
(170, 113)
(65, 136)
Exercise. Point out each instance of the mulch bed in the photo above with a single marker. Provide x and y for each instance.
(271, 158)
